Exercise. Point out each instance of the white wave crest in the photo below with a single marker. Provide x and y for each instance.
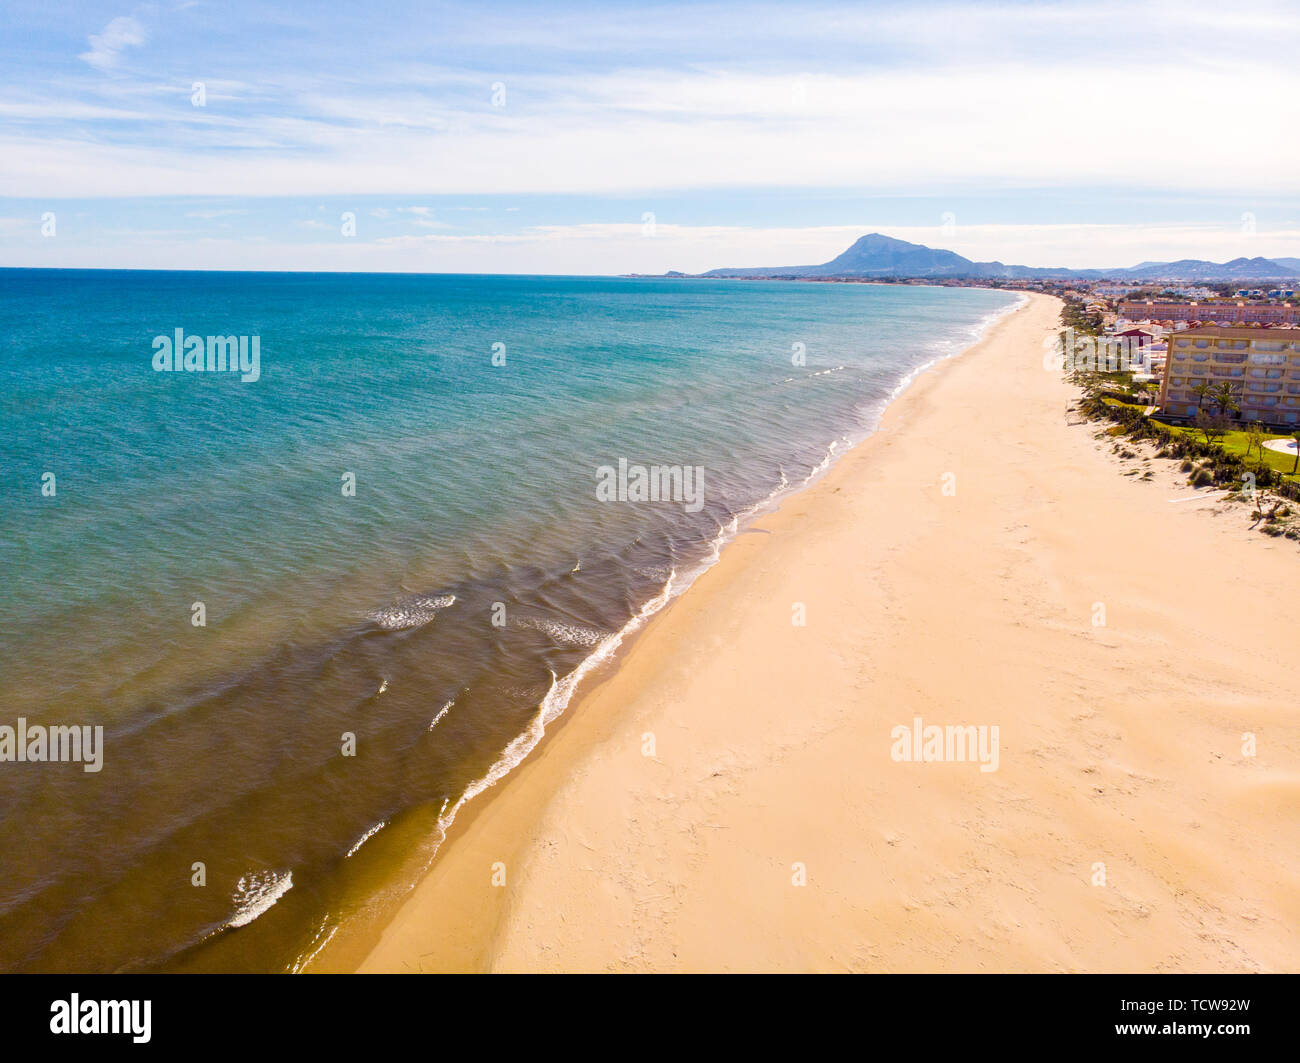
(256, 892)
(564, 632)
(415, 611)
(441, 713)
(367, 836)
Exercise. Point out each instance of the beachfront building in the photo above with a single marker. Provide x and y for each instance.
(1215, 313)
(1262, 365)
(1141, 337)
(1149, 362)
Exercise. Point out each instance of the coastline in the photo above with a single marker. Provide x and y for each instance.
(615, 860)
(342, 952)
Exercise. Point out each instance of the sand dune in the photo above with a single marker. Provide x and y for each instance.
(1120, 743)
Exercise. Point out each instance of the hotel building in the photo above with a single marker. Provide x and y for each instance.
(1262, 365)
(1218, 313)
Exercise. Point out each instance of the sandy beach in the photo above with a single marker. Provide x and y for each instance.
(725, 799)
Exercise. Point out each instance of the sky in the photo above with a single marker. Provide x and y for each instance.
(616, 138)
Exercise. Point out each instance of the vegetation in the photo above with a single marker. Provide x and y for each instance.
(1224, 397)
(1215, 450)
(1074, 316)
(1229, 452)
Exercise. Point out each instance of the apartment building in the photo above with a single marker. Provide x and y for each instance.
(1262, 365)
(1219, 313)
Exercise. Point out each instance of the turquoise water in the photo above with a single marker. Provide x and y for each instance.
(438, 613)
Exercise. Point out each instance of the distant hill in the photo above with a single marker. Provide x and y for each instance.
(877, 255)
(1195, 269)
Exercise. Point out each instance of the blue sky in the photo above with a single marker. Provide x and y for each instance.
(606, 138)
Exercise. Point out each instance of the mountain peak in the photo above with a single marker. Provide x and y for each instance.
(874, 241)
(878, 255)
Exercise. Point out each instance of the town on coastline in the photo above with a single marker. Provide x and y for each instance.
(1200, 358)
(1208, 375)
(1190, 349)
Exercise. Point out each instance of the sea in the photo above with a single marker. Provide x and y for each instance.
(319, 602)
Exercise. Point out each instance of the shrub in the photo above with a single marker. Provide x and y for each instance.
(1221, 467)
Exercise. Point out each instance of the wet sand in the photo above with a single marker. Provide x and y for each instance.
(725, 799)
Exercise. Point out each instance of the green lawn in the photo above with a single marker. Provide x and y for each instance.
(1235, 443)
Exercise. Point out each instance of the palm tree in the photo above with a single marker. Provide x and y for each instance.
(1226, 399)
(1296, 436)
(1202, 392)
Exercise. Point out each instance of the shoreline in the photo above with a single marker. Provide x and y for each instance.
(347, 953)
(454, 919)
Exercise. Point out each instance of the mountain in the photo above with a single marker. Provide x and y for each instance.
(882, 255)
(1194, 269)
(877, 255)
(871, 256)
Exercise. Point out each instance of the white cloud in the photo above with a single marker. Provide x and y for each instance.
(956, 103)
(106, 47)
(959, 128)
